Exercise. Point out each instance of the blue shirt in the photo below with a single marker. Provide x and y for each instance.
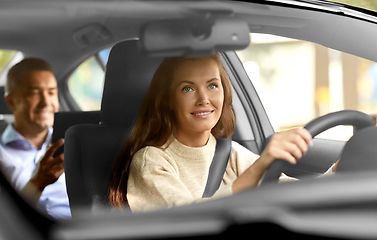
(18, 160)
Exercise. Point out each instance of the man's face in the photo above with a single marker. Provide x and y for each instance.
(35, 102)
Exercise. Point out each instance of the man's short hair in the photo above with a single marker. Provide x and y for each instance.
(20, 71)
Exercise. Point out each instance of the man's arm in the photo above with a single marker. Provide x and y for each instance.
(47, 172)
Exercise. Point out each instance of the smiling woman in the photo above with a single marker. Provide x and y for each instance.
(162, 116)
(167, 157)
(197, 102)
(65, 33)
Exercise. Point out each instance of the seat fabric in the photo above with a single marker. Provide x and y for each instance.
(88, 168)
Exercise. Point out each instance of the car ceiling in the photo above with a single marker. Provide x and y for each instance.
(49, 29)
(66, 32)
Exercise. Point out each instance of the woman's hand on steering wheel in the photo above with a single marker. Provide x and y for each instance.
(353, 118)
(290, 145)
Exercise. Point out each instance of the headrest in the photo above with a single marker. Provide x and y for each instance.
(127, 78)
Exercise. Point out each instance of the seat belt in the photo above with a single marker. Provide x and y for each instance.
(218, 166)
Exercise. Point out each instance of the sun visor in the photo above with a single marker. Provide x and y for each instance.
(178, 37)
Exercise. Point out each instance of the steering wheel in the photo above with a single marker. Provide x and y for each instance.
(358, 120)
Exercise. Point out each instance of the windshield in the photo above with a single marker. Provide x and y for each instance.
(366, 4)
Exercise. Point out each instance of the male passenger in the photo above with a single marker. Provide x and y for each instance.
(32, 95)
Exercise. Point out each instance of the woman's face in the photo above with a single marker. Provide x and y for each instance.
(197, 96)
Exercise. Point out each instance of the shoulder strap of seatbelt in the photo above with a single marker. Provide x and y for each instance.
(218, 166)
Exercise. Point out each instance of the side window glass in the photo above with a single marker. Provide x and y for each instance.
(7, 59)
(104, 54)
(298, 81)
(86, 82)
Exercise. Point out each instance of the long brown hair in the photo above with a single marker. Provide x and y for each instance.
(155, 123)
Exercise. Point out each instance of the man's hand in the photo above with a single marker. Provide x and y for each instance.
(49, 168)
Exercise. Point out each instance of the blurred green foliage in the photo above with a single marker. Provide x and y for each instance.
(367, 4)
(5, 57)
(86, 85)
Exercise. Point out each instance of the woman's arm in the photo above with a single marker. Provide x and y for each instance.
(288, 145)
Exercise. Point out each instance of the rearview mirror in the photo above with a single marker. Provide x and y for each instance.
(199, 36)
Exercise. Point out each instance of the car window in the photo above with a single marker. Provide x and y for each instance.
(7, 59)
(298, 81)
(86, 82)
(104, 54)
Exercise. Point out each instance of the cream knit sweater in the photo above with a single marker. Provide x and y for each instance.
(176, 174)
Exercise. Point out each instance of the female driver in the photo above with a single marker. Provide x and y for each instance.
(166, 159)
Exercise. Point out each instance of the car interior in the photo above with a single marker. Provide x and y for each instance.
(95, 146)
(87, 157)
(93, 139)
(91, 149)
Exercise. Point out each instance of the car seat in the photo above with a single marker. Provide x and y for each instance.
(90, 149)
